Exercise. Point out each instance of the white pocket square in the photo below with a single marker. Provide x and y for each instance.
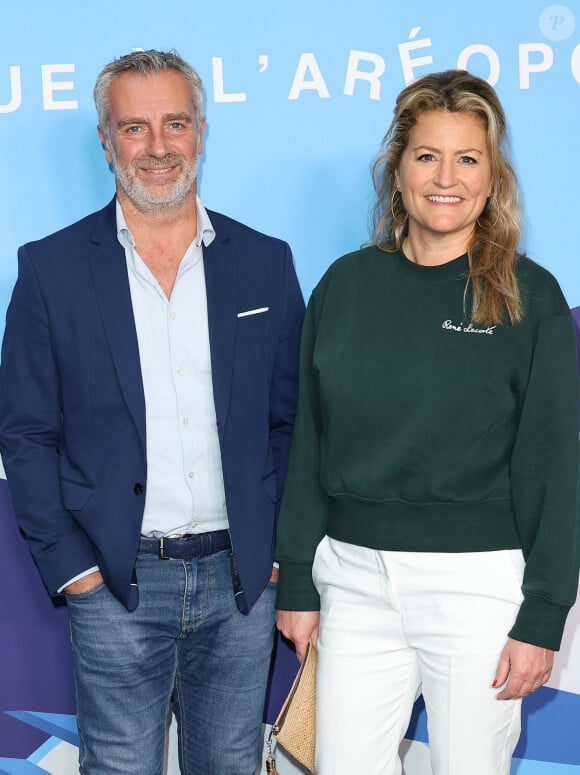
(257, 311)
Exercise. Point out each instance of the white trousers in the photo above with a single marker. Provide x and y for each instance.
(394, 625)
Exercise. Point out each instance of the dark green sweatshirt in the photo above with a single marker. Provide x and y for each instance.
(419, 431)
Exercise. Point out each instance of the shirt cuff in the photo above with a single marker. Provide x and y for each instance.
(79, 576)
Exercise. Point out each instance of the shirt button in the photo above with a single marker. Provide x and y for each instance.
(138, 488)
(172, 315)
(190, 474)
(185, 421)
(178, 368)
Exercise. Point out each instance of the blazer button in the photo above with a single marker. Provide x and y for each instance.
(138, 488)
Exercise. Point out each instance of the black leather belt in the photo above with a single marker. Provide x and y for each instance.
(186, 547)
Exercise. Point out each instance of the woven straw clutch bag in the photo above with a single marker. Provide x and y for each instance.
(295, 727)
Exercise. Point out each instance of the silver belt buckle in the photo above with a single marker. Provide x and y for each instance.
(162, 546)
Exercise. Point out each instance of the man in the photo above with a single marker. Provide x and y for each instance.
(147, 397)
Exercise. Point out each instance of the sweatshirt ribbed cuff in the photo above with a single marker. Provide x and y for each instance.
(540, 622)
(296, 591)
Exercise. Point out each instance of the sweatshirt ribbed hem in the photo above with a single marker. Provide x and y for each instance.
(408, 527)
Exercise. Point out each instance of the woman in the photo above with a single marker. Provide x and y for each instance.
(430, 502)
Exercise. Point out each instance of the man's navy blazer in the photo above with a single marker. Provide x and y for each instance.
(72, 408)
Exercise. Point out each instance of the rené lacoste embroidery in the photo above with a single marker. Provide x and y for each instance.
(448, 325)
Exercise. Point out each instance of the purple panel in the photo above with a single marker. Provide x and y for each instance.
(284, 668)
(36, 672)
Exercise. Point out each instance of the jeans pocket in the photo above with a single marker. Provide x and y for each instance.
(86, 594)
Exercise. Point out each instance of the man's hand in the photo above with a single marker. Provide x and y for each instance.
(528, 667)
(85, 584)
(300, 627)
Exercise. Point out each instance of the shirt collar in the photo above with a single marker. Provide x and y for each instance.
(205, 231)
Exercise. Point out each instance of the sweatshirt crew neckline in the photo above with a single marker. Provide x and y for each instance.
(456, 269)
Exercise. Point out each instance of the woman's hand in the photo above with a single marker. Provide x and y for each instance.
(526, 666)
(300, 627)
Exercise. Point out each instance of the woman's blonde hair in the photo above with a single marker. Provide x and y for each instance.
(492, 253)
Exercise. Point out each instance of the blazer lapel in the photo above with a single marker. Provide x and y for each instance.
(220, 266)
(109, 270)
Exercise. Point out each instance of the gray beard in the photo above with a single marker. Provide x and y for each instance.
(142, 197)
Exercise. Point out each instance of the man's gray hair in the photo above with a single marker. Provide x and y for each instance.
(144, 63)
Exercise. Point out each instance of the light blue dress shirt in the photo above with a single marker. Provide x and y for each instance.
(185, 488)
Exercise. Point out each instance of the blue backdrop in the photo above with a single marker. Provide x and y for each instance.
(298, 98)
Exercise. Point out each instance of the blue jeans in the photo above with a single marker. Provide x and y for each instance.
(186, 641)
